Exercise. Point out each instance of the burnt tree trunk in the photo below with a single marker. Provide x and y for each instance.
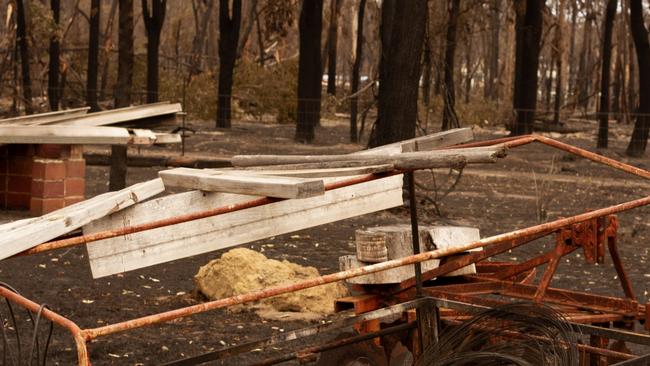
(402, 35)
(572, 47)
(639, 139)
(490, 87)
(331, 46)
(228, 38)
(603, 115)
(449, 118)
(309, 70)
(153, 23)
(93, 56)
(559, 62)
(528, 34)
(356, 69)
(123, 89)
(53, 67)
(23, 44)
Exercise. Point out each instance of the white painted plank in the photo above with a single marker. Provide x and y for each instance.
(423, 143)
(167, 138)
(63, 135)
(46, 118)
(164, 244)
(24, 234)
(258, 185)
(127, 114)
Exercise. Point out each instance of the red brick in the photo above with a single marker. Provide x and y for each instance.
(75, 187)
(3, 183)
(49, 151)
(75, 168)
(19, 183)
(72, 200)
(41, 206)
(48, 169)
(72, 151)
(18, 201)
(47, 188)
(20, 165)
(3, 200)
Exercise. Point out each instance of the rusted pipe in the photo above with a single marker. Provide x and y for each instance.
(339, 276)
(84, 239)
(511, 142)
(82, 350)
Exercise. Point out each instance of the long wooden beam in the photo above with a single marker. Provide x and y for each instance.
(251, 184)
(45, 118)
(412, 160)
(424, 143)
(127, 114)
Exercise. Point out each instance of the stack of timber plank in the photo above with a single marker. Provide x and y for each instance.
(233, 206)
(76, 126)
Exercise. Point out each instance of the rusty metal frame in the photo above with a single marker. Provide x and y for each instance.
(495, 243)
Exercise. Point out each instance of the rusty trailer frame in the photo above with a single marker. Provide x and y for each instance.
(595, 230)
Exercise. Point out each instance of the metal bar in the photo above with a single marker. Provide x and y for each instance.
(84, 239)
(529, 264)
(302, 333)
(551, 267)
(336, 344)
(620, 270)
(511, 142)
(83, 358)
(339, 276)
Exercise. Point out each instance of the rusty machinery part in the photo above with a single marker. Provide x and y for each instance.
(347, 320)
(365, 353)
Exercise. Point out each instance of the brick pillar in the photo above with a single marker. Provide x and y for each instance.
(58, 177)
(15, 176)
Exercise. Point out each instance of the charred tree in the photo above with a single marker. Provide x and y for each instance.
(123, 89)
(53, 67)
(332, 45)
(449, 118)
(490, 87)
(639, 139)
(229, 24)
(559, 62)
(309, 70)
(23, 44)
(402, 36)
(356, 69)
(93, 56)
(528, 28)
(153, 23)
(606, 56)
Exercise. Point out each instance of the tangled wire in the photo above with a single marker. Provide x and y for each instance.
(522, 334)
(12, 350)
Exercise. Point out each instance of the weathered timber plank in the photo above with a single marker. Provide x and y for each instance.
(257, 185)
(63, 135)
(164, 244)
(424, 143)
(46, 118)
(21, 235)
(423, 159)
(127, 114)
